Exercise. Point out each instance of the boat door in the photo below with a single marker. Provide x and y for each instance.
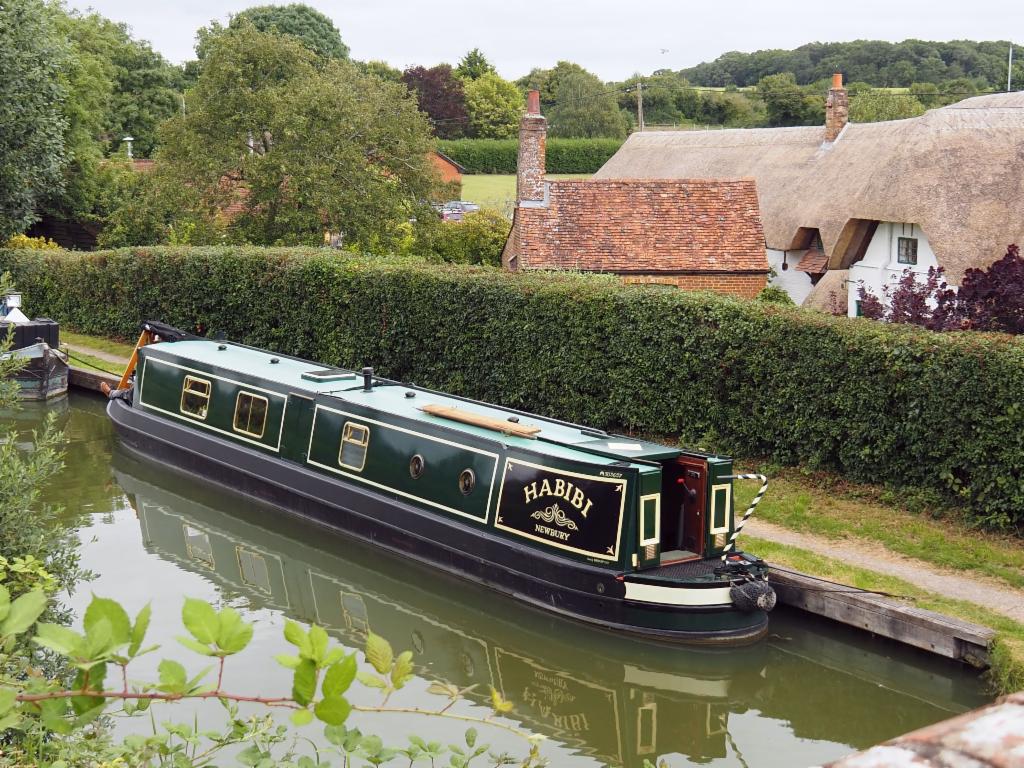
(683, 494)
(298, 423)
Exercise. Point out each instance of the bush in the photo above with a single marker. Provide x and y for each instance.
(499, 155)
(880, 403)
(478, 239)
(34, 243)
(773, 294)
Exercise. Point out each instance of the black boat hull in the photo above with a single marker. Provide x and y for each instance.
(590, 594)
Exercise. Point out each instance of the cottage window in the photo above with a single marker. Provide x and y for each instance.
(355, 438)
(195, 397)
(906, 250)
(250, 414)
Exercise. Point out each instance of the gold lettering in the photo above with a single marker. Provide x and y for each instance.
(530, 491)
(577, 499)
(545, 488)
(568, 490)
(559, 487)
(586, 509)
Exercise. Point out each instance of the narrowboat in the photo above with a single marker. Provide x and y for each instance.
(43, 374)
(624, 534)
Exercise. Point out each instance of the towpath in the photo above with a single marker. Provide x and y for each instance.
(990, 593)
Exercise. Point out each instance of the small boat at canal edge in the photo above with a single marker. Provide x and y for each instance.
(624, 534)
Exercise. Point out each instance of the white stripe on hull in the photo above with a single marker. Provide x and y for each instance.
(651, 593)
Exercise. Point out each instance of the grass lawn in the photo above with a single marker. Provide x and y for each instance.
(98, 343)
(83, 360)
(499, 190)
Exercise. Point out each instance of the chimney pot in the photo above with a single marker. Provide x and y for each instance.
(533, 102)
(837, 80)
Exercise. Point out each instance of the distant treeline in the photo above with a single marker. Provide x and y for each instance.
(877, 62)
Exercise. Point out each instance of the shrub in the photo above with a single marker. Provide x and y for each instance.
(35, 243)
(499, 155)
(478, 239)
(773, 294)
(880, 403)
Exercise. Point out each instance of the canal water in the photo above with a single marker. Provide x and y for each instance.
(810, 692)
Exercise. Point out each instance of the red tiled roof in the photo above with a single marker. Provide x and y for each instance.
(814, 262)
(642, 226)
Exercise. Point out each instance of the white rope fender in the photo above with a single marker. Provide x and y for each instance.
(750, 510)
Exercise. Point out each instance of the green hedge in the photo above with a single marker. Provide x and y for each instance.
(879, 403)
(499, 155)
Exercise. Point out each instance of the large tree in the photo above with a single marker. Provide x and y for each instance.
(577, 102)
(474, 65)
(788, 104)
(876, 106)
(442, 96)
(32, 122)
(314, 29)
(494, 107)
(304, 146)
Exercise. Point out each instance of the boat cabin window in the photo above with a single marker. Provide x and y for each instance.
(195, 397)
(250, 414)
(355, 438)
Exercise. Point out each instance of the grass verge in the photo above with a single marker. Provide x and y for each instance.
(99, 343)
(84, 360)
(1007, 672)
(825, 505)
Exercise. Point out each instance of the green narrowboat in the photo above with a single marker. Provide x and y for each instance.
(622, 533)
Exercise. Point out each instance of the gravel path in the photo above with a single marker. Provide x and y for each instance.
(78, 349)
(981, 590)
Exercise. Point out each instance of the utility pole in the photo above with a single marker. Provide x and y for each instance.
(1009, 71)
(640, 104)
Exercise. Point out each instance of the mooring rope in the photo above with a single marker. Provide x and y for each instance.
(86, 362)
(750, 510)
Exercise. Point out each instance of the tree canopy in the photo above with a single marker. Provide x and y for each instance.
(260, 104)
(473, 65)
(577, 103)
(32, 122)
(494, 106)
(315, 30)
(441, 95)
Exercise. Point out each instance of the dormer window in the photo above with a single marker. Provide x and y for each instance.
(906, 250)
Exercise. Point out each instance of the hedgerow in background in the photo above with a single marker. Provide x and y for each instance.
(880, 403)
(499, 155)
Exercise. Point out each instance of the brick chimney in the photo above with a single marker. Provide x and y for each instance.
(533, 133)
(837, 109)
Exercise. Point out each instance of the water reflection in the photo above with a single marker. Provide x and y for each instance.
(616, 699)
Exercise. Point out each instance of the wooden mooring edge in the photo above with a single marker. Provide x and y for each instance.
(886, 616)
(85, 378)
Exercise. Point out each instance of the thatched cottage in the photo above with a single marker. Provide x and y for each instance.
(699, 234)
(863, 202)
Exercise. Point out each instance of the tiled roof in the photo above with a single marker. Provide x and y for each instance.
(642, 226)
(814, 262)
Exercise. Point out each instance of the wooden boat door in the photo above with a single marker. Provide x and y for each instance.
(298, 423)
(684, 498)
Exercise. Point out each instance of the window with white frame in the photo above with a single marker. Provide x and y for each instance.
(906, 250)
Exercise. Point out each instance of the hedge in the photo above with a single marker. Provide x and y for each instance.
(499, 155)
(885, 404)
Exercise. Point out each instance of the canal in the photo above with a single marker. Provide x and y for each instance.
(810, 692)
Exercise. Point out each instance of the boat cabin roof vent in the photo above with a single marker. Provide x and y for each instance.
(328, 374)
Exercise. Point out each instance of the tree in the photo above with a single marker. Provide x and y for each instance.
(313, 29)
(381, 69)
(474, 65)
(876, 106)
(32, 122)
(577, 103)
(494, 106)
(787, 103)
(442, 96)
(303, 146)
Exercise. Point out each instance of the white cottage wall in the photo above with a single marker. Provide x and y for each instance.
(881, 267)
(794, 282)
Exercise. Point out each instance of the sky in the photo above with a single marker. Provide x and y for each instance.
(613, 38)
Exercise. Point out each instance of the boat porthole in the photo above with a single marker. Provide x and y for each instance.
(600, 588)
(416, 467)
(417, 642)
(467, 481)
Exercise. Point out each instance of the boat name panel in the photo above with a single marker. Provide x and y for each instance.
(568, 510)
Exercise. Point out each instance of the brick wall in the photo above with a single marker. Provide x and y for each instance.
(745, 286)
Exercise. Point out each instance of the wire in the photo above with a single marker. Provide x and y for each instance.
(86, 362)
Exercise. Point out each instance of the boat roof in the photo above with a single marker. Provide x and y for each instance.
(305, 376)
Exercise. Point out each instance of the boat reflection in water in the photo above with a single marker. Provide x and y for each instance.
(617, 699)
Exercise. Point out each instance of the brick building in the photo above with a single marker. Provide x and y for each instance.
(697, 234)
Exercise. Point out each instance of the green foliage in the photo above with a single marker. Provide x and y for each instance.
(32, 122)
(877, 62)
(499, 156)
(577, 103)
(474, 65)
(875, 106)
(788, 104)
(494, 106)
(478, 239)
(773, 294)
(310, 27)
(260, 103)
(879, 403)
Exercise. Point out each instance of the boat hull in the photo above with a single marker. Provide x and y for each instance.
(44, 375)
(586, 593)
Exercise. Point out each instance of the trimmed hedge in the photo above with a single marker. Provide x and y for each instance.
(885, 404)
(499, 155)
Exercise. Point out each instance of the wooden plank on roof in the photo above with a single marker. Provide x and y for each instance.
(481, 420)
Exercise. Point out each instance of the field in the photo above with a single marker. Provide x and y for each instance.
(498, 190)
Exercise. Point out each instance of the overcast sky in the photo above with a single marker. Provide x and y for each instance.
(613, 38)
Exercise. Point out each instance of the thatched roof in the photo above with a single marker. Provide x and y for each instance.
(957, 171)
